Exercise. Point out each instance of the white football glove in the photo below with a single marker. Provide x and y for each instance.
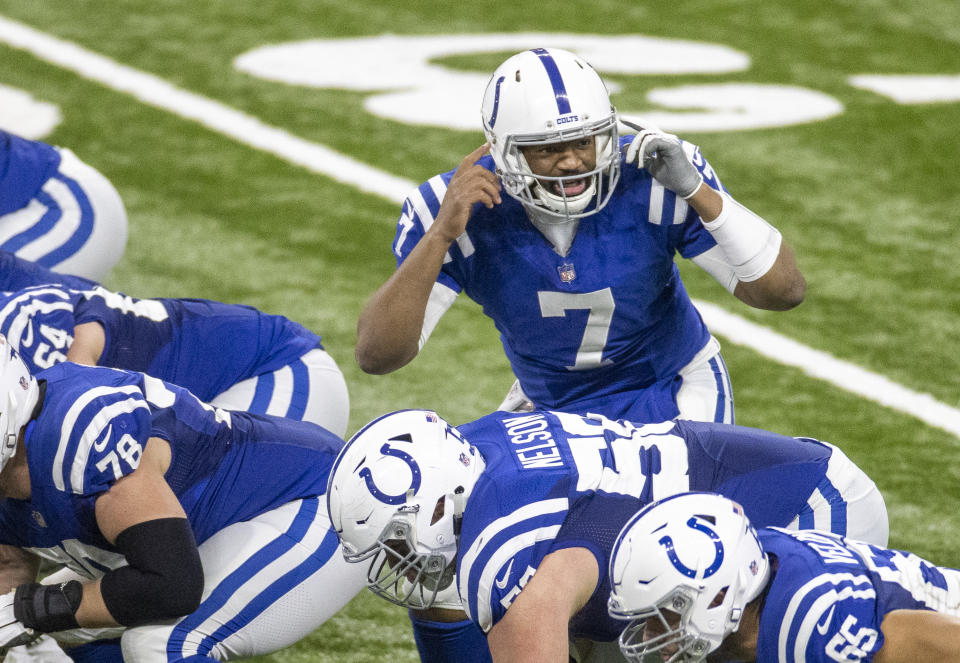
(663, 156)
(12, 632)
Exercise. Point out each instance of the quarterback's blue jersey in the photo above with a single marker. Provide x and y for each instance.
(92, 429)
(24, 166)
(555, 480)
(829, 596)
(202, 345)
(609, 317)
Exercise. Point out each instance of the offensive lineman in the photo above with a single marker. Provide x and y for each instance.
(695, 579)
(520, 511)
(58, 211)
(200, 533)
(234, 357)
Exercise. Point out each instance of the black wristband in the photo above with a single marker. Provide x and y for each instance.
(48, 608)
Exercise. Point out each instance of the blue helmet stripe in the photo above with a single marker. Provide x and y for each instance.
(496, 102)
(556, 80)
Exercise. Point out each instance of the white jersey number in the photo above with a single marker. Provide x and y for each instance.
(615, 457)
(600, 305)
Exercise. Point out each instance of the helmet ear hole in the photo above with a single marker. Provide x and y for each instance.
(718, 599)
(438, 511)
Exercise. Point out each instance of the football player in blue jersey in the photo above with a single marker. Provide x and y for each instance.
(234, 357)
(515, 514)
(200, 534)
(697, 582)
(57, 210)
(575, 264)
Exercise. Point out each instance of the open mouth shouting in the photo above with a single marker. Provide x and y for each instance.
(570, 187)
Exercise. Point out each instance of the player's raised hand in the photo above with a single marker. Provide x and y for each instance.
(662, 155)
(470, 184)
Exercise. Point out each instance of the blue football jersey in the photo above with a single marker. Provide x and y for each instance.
(828, 598)
(92, 428)
(17, 274)
(555, 480)
(24, 166)
(609, 317)
(202, 345)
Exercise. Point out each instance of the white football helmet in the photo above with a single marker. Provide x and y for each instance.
(396, 494)
(692, 562)
(548, 95)
(19, 393)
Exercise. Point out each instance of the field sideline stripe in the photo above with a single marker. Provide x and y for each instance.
(317, 158)
(828, 368)
(214, 115)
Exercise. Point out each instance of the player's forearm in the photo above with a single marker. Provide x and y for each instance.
(919, 636)
(764, 264)
(17, 567)
(783, 286)
(388, 330)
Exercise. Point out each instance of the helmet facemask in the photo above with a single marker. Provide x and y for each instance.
(673, 640)
(545, 96)
(401, 570)
(535, 191)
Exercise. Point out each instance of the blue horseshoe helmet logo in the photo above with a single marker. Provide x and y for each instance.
(400, 498)
(694, 523)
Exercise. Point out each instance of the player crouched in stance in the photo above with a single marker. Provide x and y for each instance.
(57, 210)
(514, 516)
(695, 579)
(200, 533)
(230, 356)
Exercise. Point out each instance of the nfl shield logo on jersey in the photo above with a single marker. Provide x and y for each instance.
(567, 272)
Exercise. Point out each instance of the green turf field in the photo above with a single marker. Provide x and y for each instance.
(868, 198)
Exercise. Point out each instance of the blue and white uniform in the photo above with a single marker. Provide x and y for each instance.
(252, 488)
(58, 211)
(232, 356)
(606, 328)
(826, 602)
(558, 480)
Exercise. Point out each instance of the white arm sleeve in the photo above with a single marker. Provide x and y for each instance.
(748, 244)
(713, 263)
(441, 299)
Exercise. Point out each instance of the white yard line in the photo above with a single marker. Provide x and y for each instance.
(319, 159)
(219, 117)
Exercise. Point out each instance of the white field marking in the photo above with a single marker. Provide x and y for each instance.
(317, 158)
(219, 117)
(25, 116)
(911, 89)
(828, 368)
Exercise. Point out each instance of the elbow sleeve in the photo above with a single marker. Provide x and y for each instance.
(163, 578)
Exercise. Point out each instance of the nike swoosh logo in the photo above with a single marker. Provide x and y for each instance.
(825, 624)
(502, 582)
(101, 444)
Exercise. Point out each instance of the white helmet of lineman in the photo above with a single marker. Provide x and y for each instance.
(396, 496)
(18, 398)
(548, 95)
(692, 562)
